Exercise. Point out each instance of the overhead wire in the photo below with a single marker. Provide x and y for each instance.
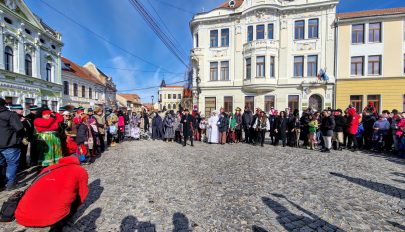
(176, 7)
(101, 37)
(158, 30)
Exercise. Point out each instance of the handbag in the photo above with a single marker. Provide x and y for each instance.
(7, 212)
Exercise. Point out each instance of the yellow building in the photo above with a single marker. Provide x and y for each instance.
(371, 59)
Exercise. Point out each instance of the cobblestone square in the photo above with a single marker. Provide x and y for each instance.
(157, 186)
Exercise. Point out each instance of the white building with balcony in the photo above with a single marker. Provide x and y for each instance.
(170, 97)
(264, 53)
(30, 51)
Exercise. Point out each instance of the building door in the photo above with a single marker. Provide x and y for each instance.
(210, 105)
(315, 102)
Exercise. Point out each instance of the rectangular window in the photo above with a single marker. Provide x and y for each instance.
(214, 71)
(44, 103)
(54, 106)
(179, 96)
(225, 37)
(228, 104)
(356, 101)
(214, 38)
(293, 102)
(196, 41)
(260, 66)
(374, 99)
(260, 31)
(169, 96)
(250, 102)
(313, 25)
(66, 87)
(298, 66)
(248, 68)
(250, 34)
(299, 29)
(210, 105)
(272, 60)
(312, 66)
(160, 97)
(83, 91)
(374, 33)
(358, 33)
(357, 66)
(269, 102)
(29, 102)
(224, 70)
(270, 31)
(75, 90)
(174, 96)
(90, 93)
(374, 65)
(403, 103)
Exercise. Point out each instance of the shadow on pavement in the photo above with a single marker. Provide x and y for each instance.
(378, 187)
(397, 225)
(398, 174)
(292, 222)
(258, 229)
(180, 223)
(131, 224)
(95, 191)
(88, 222)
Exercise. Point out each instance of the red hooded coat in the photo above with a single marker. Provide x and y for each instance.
(353, 122)
(49, 199)
(51, 124)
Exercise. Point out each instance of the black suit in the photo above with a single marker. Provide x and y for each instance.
(187, 121)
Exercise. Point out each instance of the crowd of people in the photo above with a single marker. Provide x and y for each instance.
(323, 131)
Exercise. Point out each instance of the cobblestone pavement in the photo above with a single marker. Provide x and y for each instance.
(156, 186)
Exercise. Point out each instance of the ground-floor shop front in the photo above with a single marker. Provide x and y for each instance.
(317, 97)
(383, 93)
(28, 91)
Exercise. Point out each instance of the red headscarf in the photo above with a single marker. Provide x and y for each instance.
(45, 112)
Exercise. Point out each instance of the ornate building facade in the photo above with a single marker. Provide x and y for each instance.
(30, 53)
(170, 97)
(264, 53)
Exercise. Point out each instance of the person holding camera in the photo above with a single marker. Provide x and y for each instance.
(49, 144)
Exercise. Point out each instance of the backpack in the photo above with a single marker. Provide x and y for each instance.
(113, 129)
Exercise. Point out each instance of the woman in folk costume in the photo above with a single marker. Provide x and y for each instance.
(49, 144)
(261, 126)
(203, 127)
(133, 123)
(213, 132)
(178, 128)
(169, 127)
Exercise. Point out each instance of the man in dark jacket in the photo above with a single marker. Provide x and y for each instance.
(253, 133)
(327, 128)
(246, 122)
(223, 125)
(10, 140)
(187, 121)
(340, 124)
(368, 123)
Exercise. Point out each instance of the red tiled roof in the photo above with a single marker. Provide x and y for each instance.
(366, 13)
(130, 97)
(225, 5)
(79, 71)
(173, 86)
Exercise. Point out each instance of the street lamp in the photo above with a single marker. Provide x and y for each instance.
(152, 100)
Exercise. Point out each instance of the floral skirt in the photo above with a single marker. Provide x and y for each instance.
(49, 148)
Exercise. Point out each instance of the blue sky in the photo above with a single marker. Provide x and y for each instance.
(118, 22)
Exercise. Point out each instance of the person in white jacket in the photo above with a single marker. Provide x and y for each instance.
(261, 126)
(213, 132)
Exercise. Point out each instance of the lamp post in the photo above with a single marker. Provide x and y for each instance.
(152, 101)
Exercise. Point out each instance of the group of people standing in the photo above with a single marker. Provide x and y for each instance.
(326, 130)
(47, 136)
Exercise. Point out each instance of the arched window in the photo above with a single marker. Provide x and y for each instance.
(48, 72)
(169, 106)
(8, 58)
(28, 65)
(174, 106)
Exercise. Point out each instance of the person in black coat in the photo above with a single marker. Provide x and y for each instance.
(246, 123)
(187, 120)
(253, 132)
(327, 128)
(157, 127)
(368, 124)
(340, 124)
(281, 128)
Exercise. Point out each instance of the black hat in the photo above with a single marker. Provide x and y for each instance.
(89, 110)
(16, 107)
(34, 107)
(62, 109)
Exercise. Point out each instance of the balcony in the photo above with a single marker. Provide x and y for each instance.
(196, 52)
(260, 45)
(259, 85)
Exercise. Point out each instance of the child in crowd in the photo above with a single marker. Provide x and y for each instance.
(313, 126)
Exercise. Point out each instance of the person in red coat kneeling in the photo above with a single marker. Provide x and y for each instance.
(55, 197)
